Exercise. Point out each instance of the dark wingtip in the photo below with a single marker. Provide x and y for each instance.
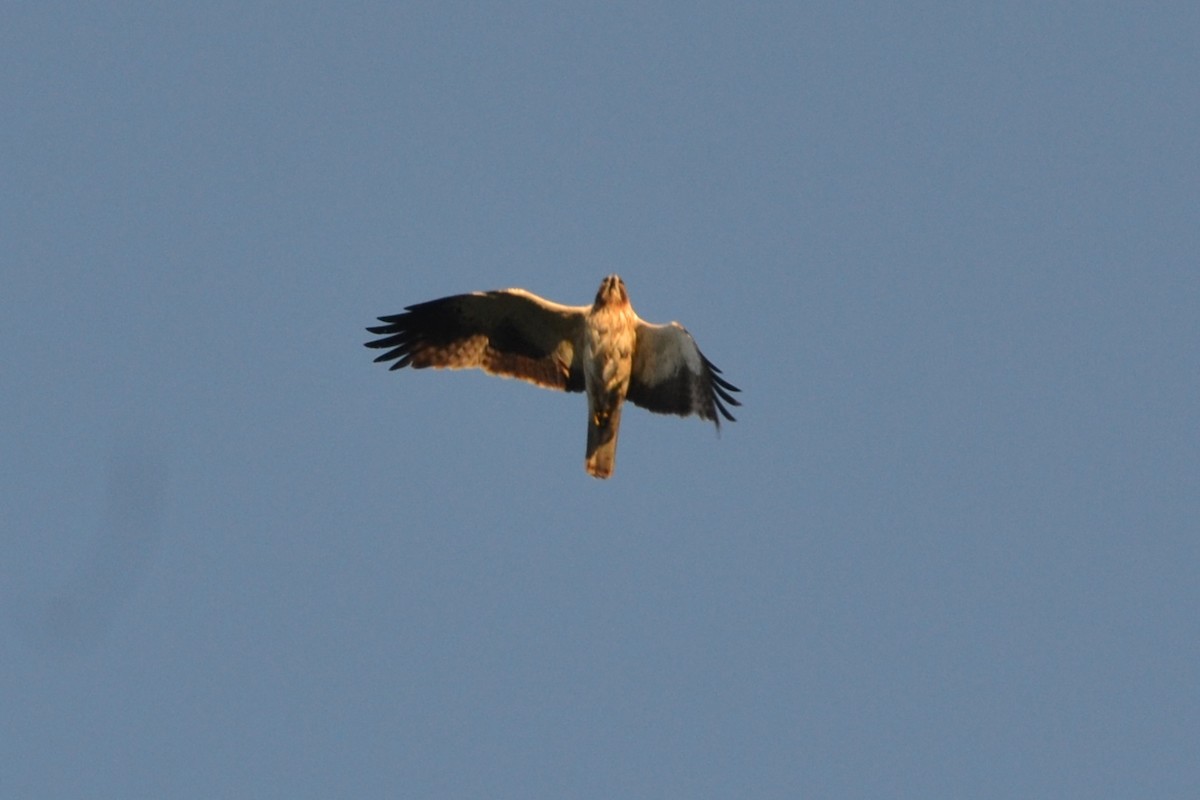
(724, 384)
(722, 411)
(394, 337)
(721, 389)
(721, 394)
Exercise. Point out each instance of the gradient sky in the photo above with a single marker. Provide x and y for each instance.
(948, 251)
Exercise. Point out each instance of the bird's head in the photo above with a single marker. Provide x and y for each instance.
(612, 292)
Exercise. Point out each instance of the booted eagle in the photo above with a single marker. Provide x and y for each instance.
(602, 349)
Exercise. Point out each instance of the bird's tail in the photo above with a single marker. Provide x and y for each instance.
(602, 442)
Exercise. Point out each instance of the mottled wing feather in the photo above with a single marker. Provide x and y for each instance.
(508, 332)
(672, 376)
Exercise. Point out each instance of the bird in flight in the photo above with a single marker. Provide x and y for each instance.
(603, 349)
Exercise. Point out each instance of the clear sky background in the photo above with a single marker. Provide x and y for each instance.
(948, 251)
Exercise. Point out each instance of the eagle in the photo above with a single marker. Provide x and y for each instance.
(604, 350)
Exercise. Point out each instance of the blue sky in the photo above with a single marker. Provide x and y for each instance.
(948, 251)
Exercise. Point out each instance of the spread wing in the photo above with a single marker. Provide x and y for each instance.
(672, 376)
(509, 332)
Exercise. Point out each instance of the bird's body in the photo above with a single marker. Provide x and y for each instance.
(610, 335)
(604, 350)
